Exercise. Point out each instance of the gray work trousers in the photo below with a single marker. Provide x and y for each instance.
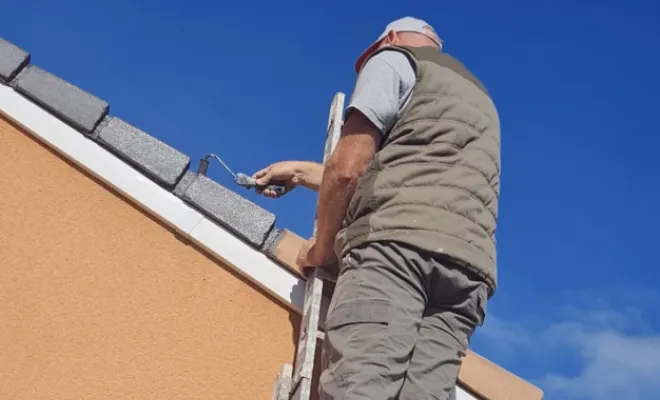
(398, 325)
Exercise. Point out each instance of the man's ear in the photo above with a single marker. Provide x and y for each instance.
(393, 38)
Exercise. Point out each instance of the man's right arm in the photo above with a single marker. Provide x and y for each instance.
(310, 174)
(292, 173)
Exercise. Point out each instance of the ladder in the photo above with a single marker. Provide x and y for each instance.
(295, 382)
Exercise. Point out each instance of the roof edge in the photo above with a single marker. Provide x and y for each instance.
(493, 382)
(90, 116)
(137, 188)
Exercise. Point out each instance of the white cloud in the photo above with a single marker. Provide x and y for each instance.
(613, 366)
(614, 353)
(505, 332)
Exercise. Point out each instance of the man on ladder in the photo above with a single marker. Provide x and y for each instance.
(408, 204)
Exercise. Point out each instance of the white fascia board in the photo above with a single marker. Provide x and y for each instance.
(462, 394)
(252, 264)
(155, 200)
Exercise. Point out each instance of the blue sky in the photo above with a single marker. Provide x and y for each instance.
(576, 87)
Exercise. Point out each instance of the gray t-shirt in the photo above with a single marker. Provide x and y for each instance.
(383, 88)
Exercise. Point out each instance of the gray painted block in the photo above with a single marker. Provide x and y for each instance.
(66, 101)
(246, 219)
(181, 187)
(12, 60)
(271, 241)
(159, 161)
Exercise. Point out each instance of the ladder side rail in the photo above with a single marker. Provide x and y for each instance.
(298, 380)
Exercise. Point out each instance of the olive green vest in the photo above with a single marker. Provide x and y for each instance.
(434, 183)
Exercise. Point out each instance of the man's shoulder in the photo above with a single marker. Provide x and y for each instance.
(395, 59)
(392, 62)
(383, 84)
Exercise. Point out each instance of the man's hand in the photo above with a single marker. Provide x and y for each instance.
(284, 172)
(291, 174)
(313, 254)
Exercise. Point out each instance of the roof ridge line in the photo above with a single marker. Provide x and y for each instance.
(163, 164)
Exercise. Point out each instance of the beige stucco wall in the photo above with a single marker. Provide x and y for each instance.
(100, 301)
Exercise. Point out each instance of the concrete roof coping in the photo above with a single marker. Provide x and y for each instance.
(162, 163)
(12, 60)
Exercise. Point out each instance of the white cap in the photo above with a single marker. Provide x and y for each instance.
(411, 24)
(405, 24)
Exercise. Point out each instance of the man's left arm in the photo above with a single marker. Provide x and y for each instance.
(373, 110)
(355, 150)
